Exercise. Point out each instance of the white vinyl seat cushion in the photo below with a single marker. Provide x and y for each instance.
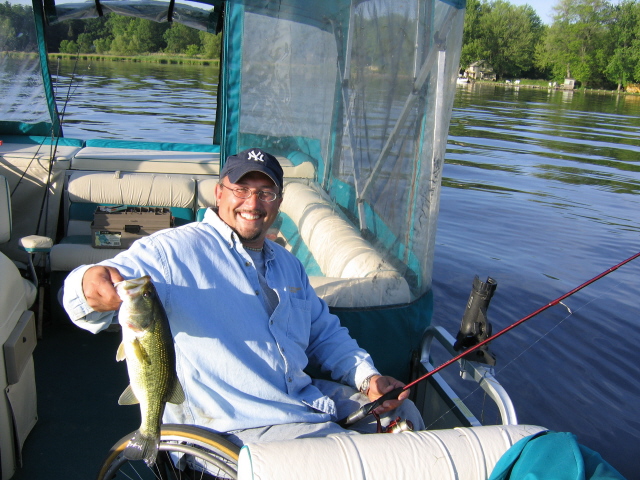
(454, 454)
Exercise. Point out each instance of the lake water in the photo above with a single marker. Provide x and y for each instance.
(540, 191)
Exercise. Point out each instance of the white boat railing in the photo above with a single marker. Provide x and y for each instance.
(483, 375)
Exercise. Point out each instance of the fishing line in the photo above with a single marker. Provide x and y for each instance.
(504, 367)
(54, 144)
(367, 409)
(54, 147)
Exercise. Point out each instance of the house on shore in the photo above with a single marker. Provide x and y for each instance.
(480, 70)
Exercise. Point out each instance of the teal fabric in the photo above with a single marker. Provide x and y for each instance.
(392, 335)
(21, 128)
(290, 232)
(556, 455)
(160, 146)
(229, 110)
(38, 17)
(42, 140)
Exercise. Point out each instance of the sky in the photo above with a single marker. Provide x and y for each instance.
(542, 7)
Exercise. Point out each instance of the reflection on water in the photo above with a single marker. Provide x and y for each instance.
(541, 193)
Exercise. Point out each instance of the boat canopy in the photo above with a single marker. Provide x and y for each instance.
(362, 90)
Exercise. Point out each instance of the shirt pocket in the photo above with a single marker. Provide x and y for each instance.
(299, 322)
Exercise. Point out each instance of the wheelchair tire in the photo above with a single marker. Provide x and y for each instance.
(180, 446)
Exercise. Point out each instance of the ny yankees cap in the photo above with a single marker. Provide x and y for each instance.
(252, 160)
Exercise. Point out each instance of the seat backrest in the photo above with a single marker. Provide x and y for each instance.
(336, 245)
(5, 210)
(86, 190)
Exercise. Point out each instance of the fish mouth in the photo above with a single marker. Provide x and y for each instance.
(131, 288)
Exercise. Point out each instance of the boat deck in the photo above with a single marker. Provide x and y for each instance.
(79, 419)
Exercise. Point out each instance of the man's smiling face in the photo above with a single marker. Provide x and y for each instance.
(249, 217)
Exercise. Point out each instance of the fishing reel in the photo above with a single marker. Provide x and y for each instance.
(475, 327)
(396, 426)
(399, 426)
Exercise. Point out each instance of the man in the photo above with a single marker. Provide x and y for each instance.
(245, 320)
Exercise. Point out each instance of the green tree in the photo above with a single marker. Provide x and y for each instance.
(180, 37)
(473, 48)
(68, 46)
(503, 34)
(134, 36)
(16, 28)
(211, 44)
(624, 33)
(510, 34)
(577, 43)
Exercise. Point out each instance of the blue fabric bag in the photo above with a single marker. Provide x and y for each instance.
(552, 455)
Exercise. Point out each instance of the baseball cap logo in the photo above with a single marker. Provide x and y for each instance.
(256, 156)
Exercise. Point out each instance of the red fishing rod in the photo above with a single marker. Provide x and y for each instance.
(393, 394)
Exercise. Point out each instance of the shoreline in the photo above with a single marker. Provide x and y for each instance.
(558, 88)
(154, 58)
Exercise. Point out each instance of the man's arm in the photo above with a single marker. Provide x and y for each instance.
(332, 345)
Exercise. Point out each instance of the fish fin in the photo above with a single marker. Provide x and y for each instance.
(142, 447)
(120, 355)
(128, 397)
(141, 353)
(176, 395)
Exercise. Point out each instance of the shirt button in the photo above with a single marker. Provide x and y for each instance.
(257, 292)
(270, 322)
(289, 379)
(247, 264)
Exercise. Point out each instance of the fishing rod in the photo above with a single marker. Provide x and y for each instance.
(393, 394)
(44, 205)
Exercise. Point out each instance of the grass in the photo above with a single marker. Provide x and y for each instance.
(152, 58)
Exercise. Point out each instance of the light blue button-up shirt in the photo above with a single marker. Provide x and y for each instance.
(239, 367)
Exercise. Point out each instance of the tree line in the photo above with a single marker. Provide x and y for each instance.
(596, 42)
(122, 35)
(111, 34)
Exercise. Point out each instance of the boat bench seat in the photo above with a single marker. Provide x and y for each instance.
(17, 148)
(184, 158)
(25, 162)
(86, 190)
(148, 157)
(344, 268)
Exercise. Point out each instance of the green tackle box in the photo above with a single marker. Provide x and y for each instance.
(119, 226)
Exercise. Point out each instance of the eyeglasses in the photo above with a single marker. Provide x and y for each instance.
(244, 192)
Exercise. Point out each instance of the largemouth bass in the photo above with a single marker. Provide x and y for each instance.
(147, 345)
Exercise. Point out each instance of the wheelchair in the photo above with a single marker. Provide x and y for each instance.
(186, 452)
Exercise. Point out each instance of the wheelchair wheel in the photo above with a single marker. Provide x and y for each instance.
(186, 452)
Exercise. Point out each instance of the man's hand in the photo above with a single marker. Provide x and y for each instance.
(98, 289)
(379, 385)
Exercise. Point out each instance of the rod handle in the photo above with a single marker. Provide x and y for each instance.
(365, 410)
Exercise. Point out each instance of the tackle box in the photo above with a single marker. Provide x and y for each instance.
(119, 226)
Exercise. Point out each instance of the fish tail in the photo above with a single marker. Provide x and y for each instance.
(142, 447)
